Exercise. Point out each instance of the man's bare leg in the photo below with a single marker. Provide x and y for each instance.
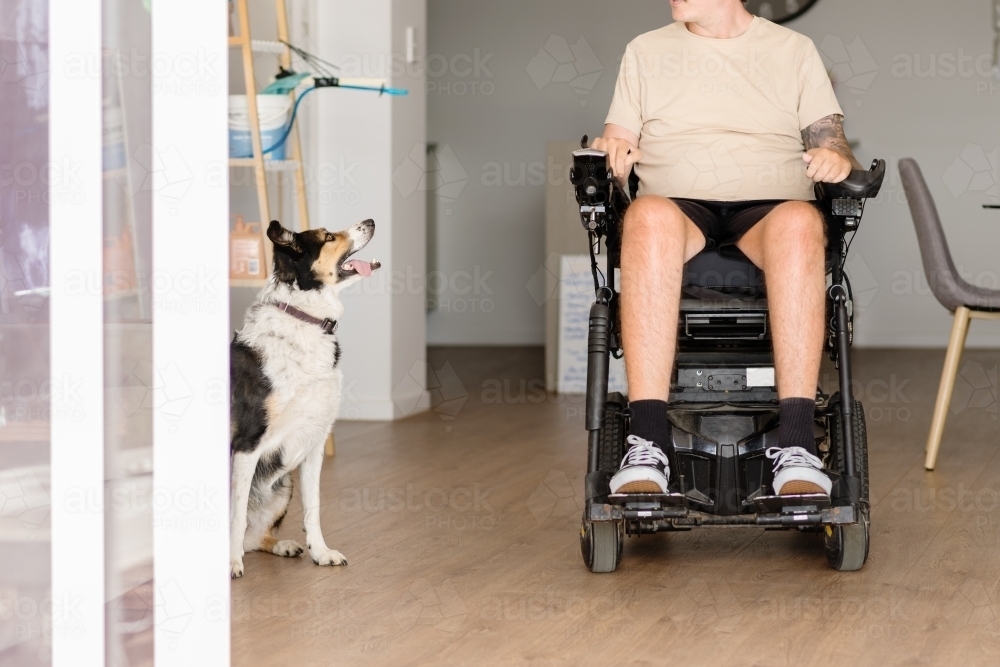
(789, 246)
(658, 240)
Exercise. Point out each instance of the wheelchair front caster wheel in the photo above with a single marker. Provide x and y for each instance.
(847, 546)
(602, 543)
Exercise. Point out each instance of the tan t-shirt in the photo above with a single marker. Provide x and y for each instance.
(722, 119)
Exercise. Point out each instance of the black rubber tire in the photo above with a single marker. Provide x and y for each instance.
(847, 545)
(603, 543)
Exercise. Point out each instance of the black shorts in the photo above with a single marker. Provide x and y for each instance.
(725, 222)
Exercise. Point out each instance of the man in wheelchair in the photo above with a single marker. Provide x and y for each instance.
(729, 120)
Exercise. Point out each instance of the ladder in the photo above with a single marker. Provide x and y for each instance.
(258, 163)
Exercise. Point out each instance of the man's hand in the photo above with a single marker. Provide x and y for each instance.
(826, 165)
(828, 153)
(622, 154)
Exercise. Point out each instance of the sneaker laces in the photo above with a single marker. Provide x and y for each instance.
(644, 453)
(792, 456)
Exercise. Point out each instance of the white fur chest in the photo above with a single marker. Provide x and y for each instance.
(299, 361)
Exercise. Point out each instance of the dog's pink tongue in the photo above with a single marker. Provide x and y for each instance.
(363, 268)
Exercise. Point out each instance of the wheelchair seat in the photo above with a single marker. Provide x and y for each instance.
(723, 269)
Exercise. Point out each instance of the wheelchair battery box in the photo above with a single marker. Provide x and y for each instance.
(732, 320)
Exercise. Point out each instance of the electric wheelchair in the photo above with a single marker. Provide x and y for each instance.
(723, 406)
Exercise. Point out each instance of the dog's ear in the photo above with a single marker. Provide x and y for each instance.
(283, 238)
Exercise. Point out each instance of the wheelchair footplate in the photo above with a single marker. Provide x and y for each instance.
(798, 510)
(647, 506)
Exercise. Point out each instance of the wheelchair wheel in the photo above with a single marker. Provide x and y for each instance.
(602, 542)
(847, 545)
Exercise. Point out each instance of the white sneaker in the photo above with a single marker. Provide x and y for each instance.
(645, 469)
(797, 472)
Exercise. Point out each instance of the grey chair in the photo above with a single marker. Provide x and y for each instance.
(966, 301)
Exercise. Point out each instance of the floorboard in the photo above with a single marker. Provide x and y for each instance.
(461, 529)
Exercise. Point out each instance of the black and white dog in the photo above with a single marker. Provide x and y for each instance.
(285, 388)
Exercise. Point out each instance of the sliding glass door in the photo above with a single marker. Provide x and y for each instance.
(114, 330)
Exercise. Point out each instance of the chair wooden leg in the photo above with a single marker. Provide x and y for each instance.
(331, 445)
(959, 332)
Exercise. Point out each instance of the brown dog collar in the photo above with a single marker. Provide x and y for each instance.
(328, 326)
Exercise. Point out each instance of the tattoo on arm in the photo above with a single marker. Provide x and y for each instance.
(829, 133)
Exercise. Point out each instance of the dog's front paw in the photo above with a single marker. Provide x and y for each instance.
(287, 548)
(236, 568)
(329, 557)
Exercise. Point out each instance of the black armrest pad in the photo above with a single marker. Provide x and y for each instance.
(859, 185)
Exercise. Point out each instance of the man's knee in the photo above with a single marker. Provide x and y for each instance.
(651, 215)
(799, 223)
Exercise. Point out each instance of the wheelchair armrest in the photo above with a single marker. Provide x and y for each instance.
(859, 185)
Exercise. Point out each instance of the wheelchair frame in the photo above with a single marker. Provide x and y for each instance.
(843, 516)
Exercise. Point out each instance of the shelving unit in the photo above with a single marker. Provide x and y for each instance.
(259, 163)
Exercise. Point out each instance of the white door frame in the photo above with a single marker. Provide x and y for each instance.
(191, 332)
(76, 236)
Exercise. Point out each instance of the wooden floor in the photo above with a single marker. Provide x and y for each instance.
(461, 529)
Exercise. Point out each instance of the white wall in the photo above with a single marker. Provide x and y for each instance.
(357, 141)
(496, 232)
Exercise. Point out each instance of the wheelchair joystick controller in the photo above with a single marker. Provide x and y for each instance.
(594, 185)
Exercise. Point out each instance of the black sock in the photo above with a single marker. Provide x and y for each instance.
(796, 418)
(649, 422)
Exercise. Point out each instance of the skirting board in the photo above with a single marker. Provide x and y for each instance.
(389, 409)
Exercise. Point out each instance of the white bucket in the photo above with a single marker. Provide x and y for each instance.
(272, 111)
